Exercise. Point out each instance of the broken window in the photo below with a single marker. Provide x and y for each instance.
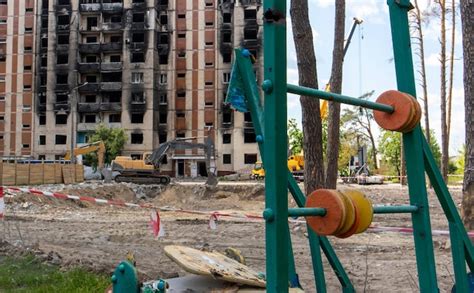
(226, 77)
(91, 98)
(163, 79)
(209, 44)
(164, 99)
(181, 75)
(91, 40)
(226, 37)
(209, 104)
(138, 57)
(60, 139)
(25, 146)
(44, 42)
(181, 35)
(61, 119)
(250, 158)
(250, 34)
(162, 137)
(250, 14)
(138, 37)
(64, 2)
(137, 118)
(209, 3)
(137, 77)
(181, 134)
(62, 40)
(43, 79)
(226, 159)
(115, 118)
(249, 136)
(115, 58)
(209, 124)
(112, 77)
(42, 140)
(115, 97)
(63, 20)
(247, 117)
(90, 118)
(44, 61)
(164, 39)
(61, 78)
(137, 138)
(209, 23)
(27, 87)
(27, 68)
(208, 83)
(182, 54)
(227, 116)
(62, 59)
(181, 94)
(180, 114)
(91, 59)
(91, 78)
(44, 22)
(61, 98)
(226, 138)
(91, 23)
(116, 39)
(227, 18)
(138, 17)
(41, 157)
(42, 119)
(116, 19)
(163, 118)
(182, 15)
(164, 19)
(26, 126)
(163, 59)
(45, 4)
(138, 97)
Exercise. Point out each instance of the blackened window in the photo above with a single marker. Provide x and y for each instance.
(138, 17)
(226, 138)
(227, 159)
(250, 158)
(42, 139)
(62, 59)
(137, 118)
(62, 40)
(249, 136)
(138, 57)
(89, 118)
(61, 78)
(138, 37)
(115, 118)
(42, 119)
(137, 138)
(60, 139)
(61, 119)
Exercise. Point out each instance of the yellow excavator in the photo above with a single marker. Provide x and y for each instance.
(295, 165)
(98, 147)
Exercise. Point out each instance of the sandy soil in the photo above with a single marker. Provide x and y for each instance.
(99, 237)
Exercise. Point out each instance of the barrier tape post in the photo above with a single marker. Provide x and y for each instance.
(2, 203)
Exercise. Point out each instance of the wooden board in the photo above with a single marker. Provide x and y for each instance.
(68, 174)
(22, 174)
(213, 264)
(58, 173)
(9, 174)
(49, 174)
(79, 173)
(36, 174)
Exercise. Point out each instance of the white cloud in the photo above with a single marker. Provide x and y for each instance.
(432, 60)
(323, 3)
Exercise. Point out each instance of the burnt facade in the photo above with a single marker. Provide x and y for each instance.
(159, 69)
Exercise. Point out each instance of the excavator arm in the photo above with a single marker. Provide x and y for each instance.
(158, 154)
(98, 147)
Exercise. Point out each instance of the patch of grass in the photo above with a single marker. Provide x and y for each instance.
(28, 274)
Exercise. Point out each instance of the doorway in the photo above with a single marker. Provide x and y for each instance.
(202, 170)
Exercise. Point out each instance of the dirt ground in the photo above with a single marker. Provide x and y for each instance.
(98, 237)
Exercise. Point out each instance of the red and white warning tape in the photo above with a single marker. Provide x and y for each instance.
(155, 221)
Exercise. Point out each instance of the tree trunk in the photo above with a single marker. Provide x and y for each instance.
(451, 66)
(424, 84)
(444, 128)
(311, 118)
(334, 117)
(467, 17)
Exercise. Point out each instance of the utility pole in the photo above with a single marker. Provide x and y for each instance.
(73, 101)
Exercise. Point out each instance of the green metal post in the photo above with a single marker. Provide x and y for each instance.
(447, 203)
(242, 60)
(328, 96)
(303, 212)
(395, 209)
(412, 143)
(459, 259)
(275, 147)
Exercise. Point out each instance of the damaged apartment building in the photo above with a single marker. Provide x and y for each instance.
(159, 69)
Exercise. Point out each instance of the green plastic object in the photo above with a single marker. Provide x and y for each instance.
(125, 279)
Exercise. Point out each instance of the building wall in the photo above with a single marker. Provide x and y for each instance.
(157, 69)
(16, 76)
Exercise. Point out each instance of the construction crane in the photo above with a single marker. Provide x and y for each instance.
(147, 170)
(97, 146)
(324, 104)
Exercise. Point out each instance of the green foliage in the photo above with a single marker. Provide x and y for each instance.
(460, 160)
(27, 274)
(295, 137)
(435, 149)
(114, 140)
(390, 148)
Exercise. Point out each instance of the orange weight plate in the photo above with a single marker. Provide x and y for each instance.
(363, 204)
(335, 211)
(402, 110)
(355, 225)
(350, 214)
(416, 118)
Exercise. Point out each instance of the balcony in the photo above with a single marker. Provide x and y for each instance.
(90, 7)
(89, 48)
(111, 86)
(137, 46)
(88, 107)
(61, 106)
(139, 5)
(163, 49)
(250, 43)
(111, 47)
(62, 27)
(138, 26)
(111, 66)
(138, 107)
(61, 47)
(248, 124)
(62, 88)
(226, 125)
(62, 68)
(110, 107)
(112, 26)
(89, 88)
(88, 67)
(112, 7)
(86, 127)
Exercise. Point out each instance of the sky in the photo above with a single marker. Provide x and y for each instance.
(368, 64)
